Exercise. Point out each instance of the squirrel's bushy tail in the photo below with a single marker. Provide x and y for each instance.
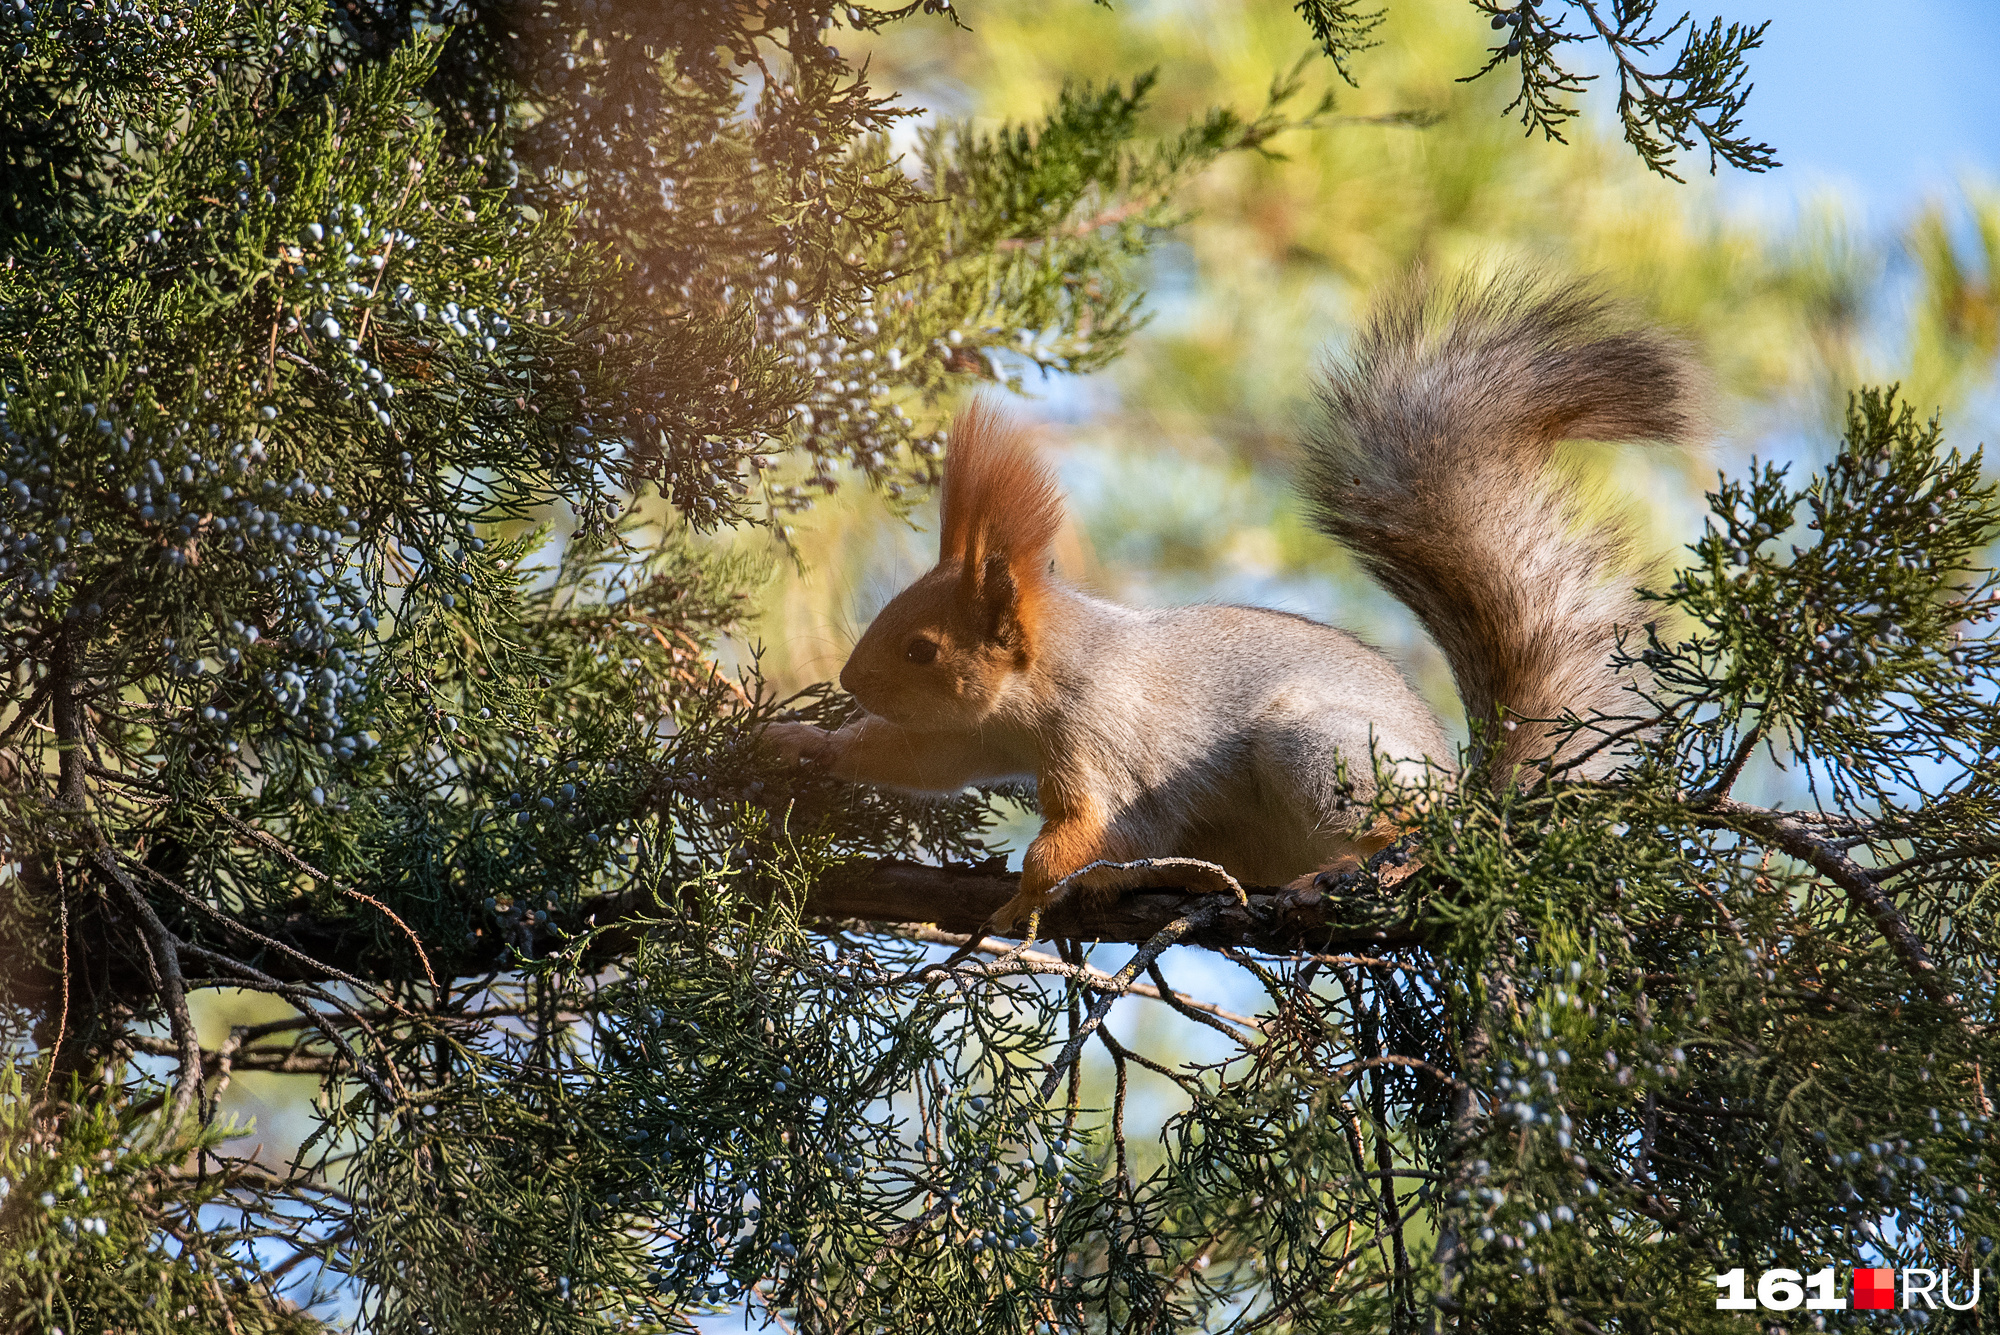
(1431, 464)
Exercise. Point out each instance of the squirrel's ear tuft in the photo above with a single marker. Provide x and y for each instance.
(1000, 497)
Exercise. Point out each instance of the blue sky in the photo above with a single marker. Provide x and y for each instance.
(1890, 101)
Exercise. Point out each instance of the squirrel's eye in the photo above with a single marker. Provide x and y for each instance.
(921, 650)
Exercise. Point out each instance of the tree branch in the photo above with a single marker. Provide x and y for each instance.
(1171, 934)
(1791, 835)
(275, 1061)
(957, 900)
(1034, 961)
(164, 948)
(962, 901)
(266, 840)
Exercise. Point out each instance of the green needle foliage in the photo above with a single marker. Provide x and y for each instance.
(1710, 1035)
(316, 322)
(369, 379)
(1695, 102)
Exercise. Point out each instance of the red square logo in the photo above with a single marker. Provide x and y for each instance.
(1874, 1287)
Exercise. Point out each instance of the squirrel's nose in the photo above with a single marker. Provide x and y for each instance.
(865, 684)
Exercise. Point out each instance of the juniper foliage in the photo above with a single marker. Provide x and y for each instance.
(1666, 109)
(316, 321)
(1708, 1035)
(355, 660)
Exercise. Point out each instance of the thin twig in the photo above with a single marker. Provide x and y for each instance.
(1120, 1051)
(1360, 1064)
(1369, 962)
(1649, 1129)
(269, 1061)
(968, 946)
(1118, 1091)
(1073, 1016)
(1201, 1012)
(1036, 962)
(234, 925)
(1612, 738)
(1728, 918)
(173, 990)
(1808, 847)
(317, 1251)
(1734, 770)
(300, 864)
(1933, 858)
(1453, 1251)
(62, 1020)
(1122, 980)
(293, 992)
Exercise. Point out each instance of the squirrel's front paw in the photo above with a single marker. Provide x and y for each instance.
(796, 743)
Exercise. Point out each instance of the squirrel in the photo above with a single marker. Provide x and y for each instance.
(1245, 737)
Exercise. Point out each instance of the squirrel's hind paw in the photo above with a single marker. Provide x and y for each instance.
(1023, 907)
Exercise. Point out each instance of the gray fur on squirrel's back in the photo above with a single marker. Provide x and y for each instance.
(1430, 463)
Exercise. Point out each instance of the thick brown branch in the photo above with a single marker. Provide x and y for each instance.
(963, 900)
(957, 900)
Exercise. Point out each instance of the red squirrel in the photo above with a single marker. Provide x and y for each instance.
(1245, 737)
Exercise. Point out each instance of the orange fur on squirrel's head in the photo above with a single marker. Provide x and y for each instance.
(944, 651)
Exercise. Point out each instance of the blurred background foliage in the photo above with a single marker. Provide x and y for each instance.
(1176, 458)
